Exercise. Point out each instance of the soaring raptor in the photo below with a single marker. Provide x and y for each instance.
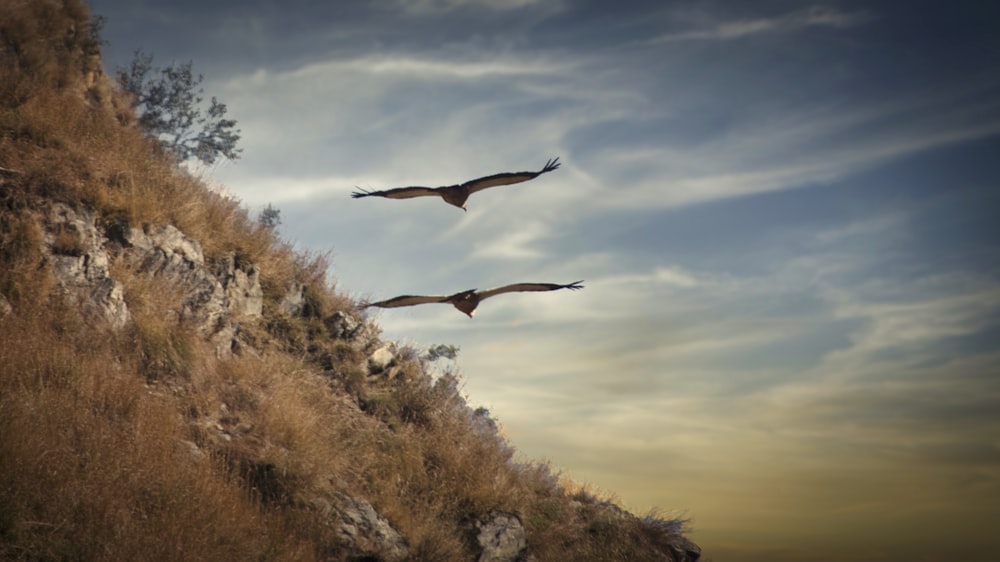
(457, 194)
(467, 301)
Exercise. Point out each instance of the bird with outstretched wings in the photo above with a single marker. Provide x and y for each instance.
(467, 301)
(458, 194)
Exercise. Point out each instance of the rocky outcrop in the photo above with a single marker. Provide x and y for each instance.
(362, 533)
(293, 301)
(501, 537)
(215, 297)
(343, 326)
(241, 282)
(79, 258)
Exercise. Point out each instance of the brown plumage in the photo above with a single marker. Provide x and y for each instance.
(467, 301)
(457, 194)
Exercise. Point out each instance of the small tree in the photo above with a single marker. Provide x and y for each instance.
(440, 350)
(270, 217)
(170, 99)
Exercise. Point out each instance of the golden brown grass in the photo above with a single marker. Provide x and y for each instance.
(142, 445)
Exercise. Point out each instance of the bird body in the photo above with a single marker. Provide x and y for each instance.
(458, 194)
(467, 301)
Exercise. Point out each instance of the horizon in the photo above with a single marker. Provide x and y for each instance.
(783, 214)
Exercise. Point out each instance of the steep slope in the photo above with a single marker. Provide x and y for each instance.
(176, 383)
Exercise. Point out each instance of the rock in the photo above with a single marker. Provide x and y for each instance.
(80, 264)
(501, 537)
(294, 300)
(365, 533)
(241, 282)
(197, 455)
(342, 325)
(212, 300)
(685, 550)
(167, 239)
(165, 252)
(381, 359)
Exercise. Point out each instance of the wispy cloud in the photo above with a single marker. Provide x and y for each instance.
(764, 155)
(436, 7)
(816, 16)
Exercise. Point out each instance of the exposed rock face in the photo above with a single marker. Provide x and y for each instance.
(343, 326)
(364, 532)
(381, 359)
(294, 300)
(501, 537)
(241, 281)
(212, 301)
(214, 298)
(80, 264)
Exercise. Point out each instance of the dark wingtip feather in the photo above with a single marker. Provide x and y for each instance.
(575, 285)
(361, 192)
(552, 164)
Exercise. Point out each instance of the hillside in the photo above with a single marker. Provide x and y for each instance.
(177, 383)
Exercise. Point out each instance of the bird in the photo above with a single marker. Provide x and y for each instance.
(467, 301)
(458, 194)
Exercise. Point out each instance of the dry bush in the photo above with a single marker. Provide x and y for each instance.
(23, 281)
(93, 466)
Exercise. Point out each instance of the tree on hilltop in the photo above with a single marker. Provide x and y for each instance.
(170, 101)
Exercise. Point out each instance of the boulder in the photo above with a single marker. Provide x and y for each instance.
(364, 533)
(381, 359)
(342, 325)
(501, 537)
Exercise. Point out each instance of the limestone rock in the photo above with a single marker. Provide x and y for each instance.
(241, 282)
(213, 300)
(381, 359)
(294, 300)
(365, 533)
(80, 264)
(342, 325)
(167, 239)
(501, 537)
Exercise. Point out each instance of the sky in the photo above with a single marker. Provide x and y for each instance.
(782, 211)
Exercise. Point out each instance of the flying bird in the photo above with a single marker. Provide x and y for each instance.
(457, 194)
(467, 301)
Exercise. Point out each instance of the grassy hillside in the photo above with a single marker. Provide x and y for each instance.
(145, 443)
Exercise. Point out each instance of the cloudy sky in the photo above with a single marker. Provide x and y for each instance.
(784, 214)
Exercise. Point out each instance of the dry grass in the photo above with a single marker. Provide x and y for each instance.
(142, 445)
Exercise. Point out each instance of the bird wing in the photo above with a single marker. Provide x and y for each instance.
(520, 287)
(508, 178)
(397, 193)
(408, 300)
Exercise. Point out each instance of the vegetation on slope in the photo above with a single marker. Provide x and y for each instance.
(143, 444)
